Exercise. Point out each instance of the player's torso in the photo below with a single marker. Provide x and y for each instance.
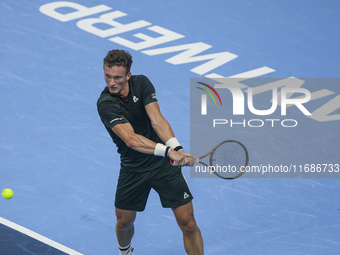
(133, 108)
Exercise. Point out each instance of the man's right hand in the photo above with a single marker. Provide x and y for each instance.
(181, 158)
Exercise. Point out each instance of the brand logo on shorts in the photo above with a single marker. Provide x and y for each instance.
(186, 195)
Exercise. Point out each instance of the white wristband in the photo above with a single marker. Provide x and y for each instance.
(161, 150)
(174, 144)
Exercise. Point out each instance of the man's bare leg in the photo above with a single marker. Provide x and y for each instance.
(192, 237)
(124, 226)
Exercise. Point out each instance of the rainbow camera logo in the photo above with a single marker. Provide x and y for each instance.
(204, 97)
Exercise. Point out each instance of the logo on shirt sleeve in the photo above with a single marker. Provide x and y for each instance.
(153, 95)
(116, 119)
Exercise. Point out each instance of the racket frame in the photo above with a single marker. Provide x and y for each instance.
(211, 153)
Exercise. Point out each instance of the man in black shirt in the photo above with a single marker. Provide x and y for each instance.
(129, 111)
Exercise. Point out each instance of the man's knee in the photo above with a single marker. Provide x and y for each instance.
(125, 219)
(185, 218)
(190, 228)
(188, 224)
(123, 224)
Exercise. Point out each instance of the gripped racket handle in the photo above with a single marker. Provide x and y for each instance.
(173, 162)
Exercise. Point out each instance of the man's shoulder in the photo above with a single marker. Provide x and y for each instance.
(140, 83)
(106, 96)
(139, 78)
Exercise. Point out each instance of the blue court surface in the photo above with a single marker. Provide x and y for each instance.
(57, 157)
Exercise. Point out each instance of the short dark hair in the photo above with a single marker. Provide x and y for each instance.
(118, 58)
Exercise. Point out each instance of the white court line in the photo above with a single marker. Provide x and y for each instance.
(38, 237)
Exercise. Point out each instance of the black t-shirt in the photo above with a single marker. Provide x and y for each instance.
(114, 110)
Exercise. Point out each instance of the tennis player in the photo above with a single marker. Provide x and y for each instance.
(129, 111)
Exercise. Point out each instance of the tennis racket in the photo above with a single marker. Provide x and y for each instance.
(228, 159)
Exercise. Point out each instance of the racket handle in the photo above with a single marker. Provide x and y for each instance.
(173, 162)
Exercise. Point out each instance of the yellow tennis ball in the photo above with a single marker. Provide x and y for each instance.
(7, 193)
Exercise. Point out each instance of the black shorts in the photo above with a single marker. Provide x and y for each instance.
(133, 188)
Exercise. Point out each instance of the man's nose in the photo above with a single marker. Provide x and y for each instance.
(112, 81)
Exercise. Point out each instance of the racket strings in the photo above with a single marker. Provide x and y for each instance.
(229, 160)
